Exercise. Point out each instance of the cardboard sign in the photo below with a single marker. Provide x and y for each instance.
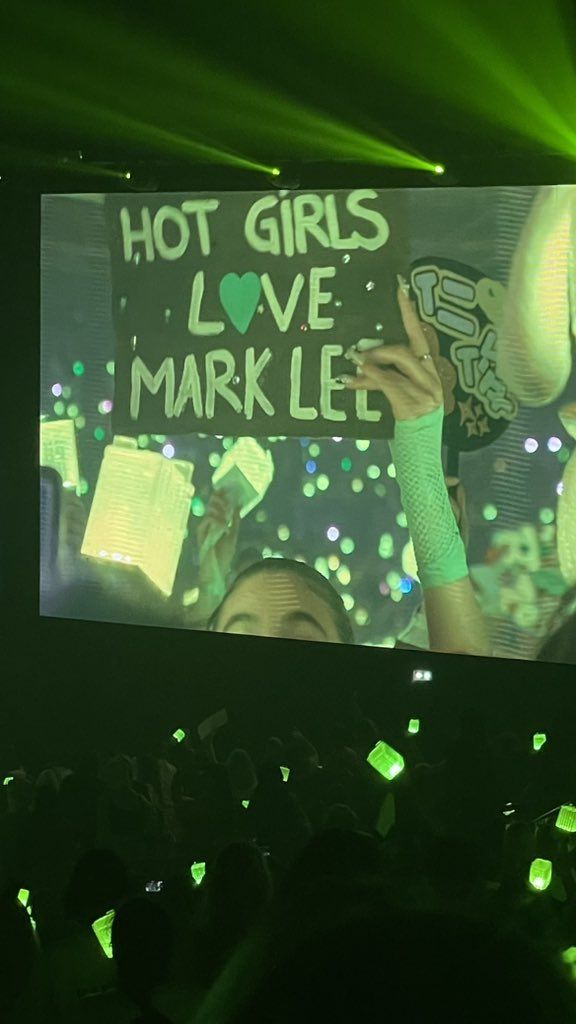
(232, 312)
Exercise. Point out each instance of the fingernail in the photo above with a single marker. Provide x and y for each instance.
(403, 285)
(353, 356)
(342, 380)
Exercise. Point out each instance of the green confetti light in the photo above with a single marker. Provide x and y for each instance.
(540, 874)
(547, 516)
(321, 566)
(99, 434)
(24, 897)
(110, 367)
(386, 545)
(489, 512)
(373, 472)
(78, 369)
(59, 408)
(346, 465)
(393, 579)
(309, 489)
(344, 575)
(357, 485)
(347, 545)
(323, 482)
(72, 411)
(285, 773)
(362, 446)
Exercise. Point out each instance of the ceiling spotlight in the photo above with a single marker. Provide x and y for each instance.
(276, 172)
(127, 175)
(439, 169)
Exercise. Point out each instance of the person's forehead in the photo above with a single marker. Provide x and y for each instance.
(277, 593)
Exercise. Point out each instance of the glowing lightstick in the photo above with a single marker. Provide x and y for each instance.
(540, 874)
(58, 450)
(414, 726)
(246, 472)
(140, 511)
(566, 820)
(198, 870)
(23, 896)
(285, 773)
(102, 929)
(538, 740)
(387, 761)
(179, 735)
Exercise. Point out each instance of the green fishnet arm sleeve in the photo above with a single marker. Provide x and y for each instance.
(417, 454)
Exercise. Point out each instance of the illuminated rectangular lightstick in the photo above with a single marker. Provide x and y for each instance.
(414, 726)
(285, 773)
(59, 451)
(8, 780)
(102, 929)
(198, 870)
(24, 897)
(179, 735)
(245, 804)
(245, 472)
(540, 874)
(140, 511)
(566, 820)
(387, 761)
(538, 740)
(421, 675)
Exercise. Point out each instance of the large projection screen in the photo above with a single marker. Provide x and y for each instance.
(195, 426)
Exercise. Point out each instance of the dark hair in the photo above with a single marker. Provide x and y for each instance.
(317, 583)
(560, 645)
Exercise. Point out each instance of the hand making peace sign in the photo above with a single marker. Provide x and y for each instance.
(407, 376)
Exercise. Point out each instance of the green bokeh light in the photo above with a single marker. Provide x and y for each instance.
(490, 512)
(78, 369)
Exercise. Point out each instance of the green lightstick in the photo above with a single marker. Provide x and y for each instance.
(102, 929)
(540, 874)
(387, 761)
(538, 740)
(285, 773)
(179, 735)
(24, 897)
(245, 804)
(8, 780)
(566, 820)
(414, 726)
(198, 870)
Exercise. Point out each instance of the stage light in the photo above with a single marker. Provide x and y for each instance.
(540, 874)
(439, 169)
(127, 175)
(275, 172)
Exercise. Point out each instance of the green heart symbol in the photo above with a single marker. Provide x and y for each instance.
(240, 296)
